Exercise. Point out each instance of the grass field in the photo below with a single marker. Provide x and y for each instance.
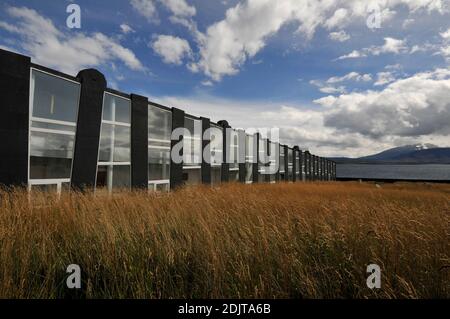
(233, 241)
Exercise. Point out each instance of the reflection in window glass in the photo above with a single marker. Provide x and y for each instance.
(54, 111)
(122, 145)
(114, 167)
(159, 134)
(51, 155)
(159, 123)
(282, 163)
(54, 98)
(116, 109)
(290, 164)
(249, 157)
(192, 144)
(159, 164)
(234, 151)
(216, 145)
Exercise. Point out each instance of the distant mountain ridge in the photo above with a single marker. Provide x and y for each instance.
(408, 154)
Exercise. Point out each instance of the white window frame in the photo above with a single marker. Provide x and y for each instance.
(59, 181)
(158, 147)
(111, 164)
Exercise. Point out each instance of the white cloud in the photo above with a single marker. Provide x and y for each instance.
(146, 8)
(340, 36)
(330, 85)
(68, 53)
(407, 23)
(352, 76)
(384, 78)
(446, 34)
(338, 19)
(125, 28)
(172, 49)
(411, 107)
(391, 45)
(352, 55)
(207, 83)
(180, 8)
(244, 31)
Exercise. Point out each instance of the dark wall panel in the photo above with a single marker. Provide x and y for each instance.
(255, 166)
(226, 138)
(93, 85)
(206, 162)
(286, 163)
(139, 141)
(14, 117)
(242, 167)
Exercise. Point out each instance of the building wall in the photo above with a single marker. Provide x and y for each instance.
(60, 131)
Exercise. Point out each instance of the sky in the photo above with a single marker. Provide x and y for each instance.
(338, 77)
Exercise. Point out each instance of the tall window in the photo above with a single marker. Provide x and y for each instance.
(159, 132)
(114, 159)
(249, 157)
(192, 151)
(216, 146)
(282, 163)
(290, 163)
(298, 166)
(53, 121)
(274, 160)
(263, 159)
(234, 156)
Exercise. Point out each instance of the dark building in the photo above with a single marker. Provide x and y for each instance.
(62, 132)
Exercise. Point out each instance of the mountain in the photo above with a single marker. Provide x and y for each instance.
(408, 154)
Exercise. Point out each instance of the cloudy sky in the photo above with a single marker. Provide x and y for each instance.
(338, 77)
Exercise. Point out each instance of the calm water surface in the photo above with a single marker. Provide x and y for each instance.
(421, 172)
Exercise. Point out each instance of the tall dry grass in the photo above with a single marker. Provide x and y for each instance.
(233, 241)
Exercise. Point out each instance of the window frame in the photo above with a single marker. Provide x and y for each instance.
(113, 123)
(155, 183)
(49, 181)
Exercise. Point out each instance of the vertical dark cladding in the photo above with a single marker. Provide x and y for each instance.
(255, 166)
(14, 117)
(139, 141)
(206, 158)
(225, 171)
(286, 163)
(176, 169)
(294, 163)
(301, 157)
(93, 86)
(306, 156)
(313, 167)
(242, 166)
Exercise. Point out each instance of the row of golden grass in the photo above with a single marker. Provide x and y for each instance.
(233, 241)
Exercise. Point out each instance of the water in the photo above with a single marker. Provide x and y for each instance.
(386, 171)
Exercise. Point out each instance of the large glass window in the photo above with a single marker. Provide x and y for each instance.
(53, 117)
(159, 133)
(216, 146)
(282, 162)
(249, 157)
(297, 166)
(192, 151)
(290, 164)
(114, 159)
(274, 160)
(192, 143)
(234, 156)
